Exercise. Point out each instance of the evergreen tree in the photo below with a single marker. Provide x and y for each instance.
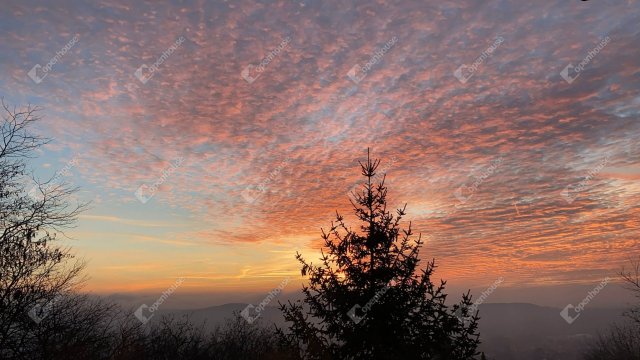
(368, 298)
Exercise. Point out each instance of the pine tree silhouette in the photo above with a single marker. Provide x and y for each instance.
(368, 298)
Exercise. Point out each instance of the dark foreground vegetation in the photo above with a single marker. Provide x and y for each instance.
(368, 297)
(622, 341)
(85, 328)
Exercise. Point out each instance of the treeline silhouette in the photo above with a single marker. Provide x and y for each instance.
(367, 298)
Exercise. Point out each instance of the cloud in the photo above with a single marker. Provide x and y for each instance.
(297, 131)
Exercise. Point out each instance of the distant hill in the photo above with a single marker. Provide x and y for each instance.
(215, 315)
(517, 331)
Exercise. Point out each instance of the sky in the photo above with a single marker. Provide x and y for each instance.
(215, 138)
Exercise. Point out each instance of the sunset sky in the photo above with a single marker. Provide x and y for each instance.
(508, 168)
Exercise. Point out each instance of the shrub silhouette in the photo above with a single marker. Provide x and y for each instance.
(368, 299)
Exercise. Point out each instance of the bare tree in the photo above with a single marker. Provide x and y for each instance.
(622, 341)
(34, 272)
(632, 283)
